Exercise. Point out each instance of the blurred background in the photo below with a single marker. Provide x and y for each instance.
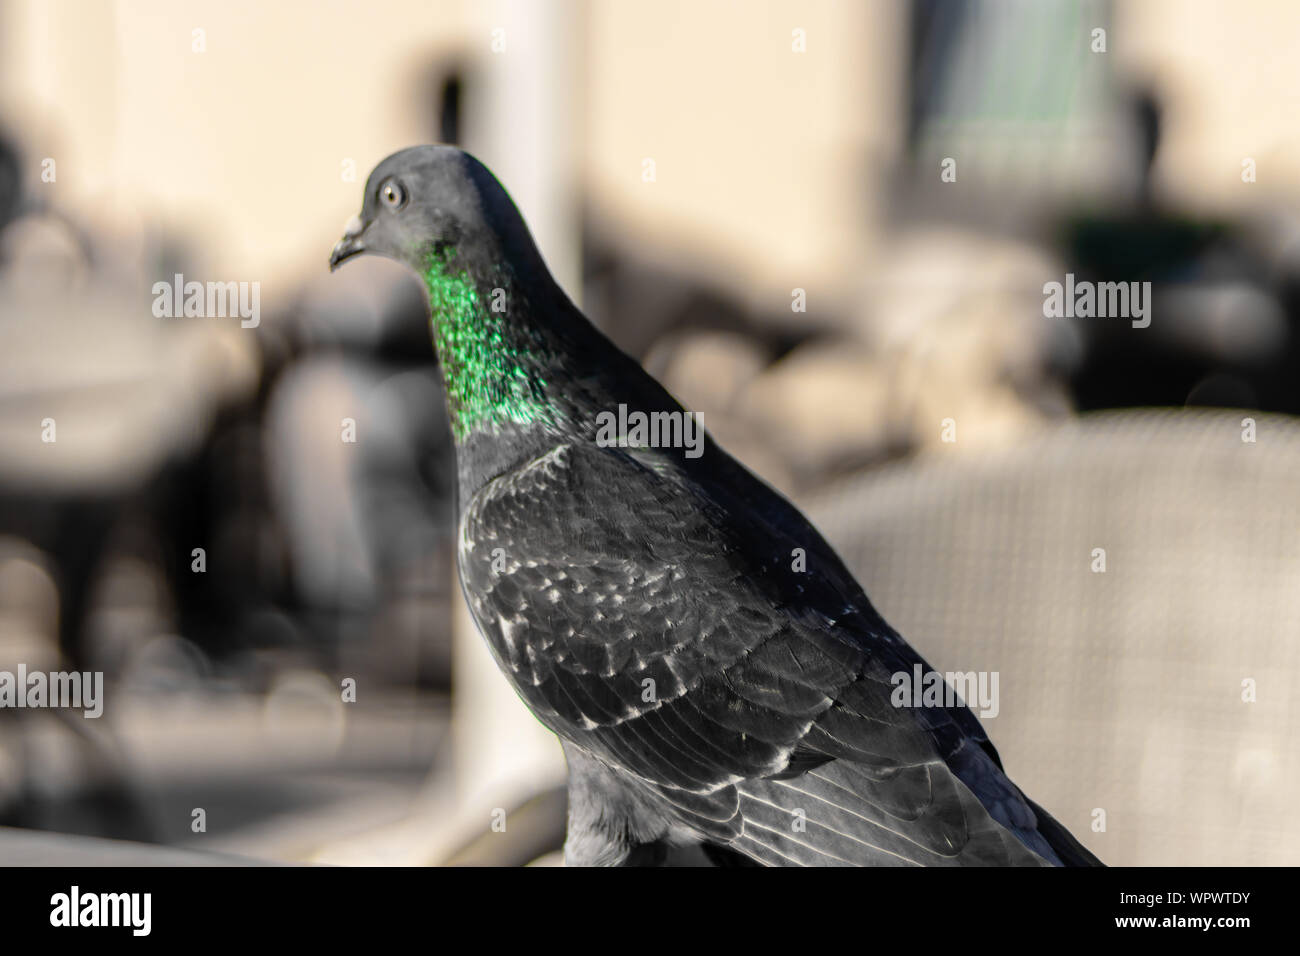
(824, 225)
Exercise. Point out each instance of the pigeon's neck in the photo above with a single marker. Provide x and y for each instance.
(495, 370)
(521, 366)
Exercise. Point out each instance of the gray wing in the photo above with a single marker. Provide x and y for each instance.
(722, 695)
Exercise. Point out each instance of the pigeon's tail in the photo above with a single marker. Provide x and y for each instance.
(980, 769)
(845, 814)
(1070, 851)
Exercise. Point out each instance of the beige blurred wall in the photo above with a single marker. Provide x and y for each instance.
(764, 156)
(242, 145)
(1227, 76)
(769, 163)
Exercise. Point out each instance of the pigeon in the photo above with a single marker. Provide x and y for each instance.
(718, 701)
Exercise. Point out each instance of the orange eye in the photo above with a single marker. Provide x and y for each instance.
(392, 195)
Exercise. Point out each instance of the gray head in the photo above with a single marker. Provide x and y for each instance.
(431, 199)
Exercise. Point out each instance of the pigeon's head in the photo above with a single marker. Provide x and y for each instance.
(427, 200)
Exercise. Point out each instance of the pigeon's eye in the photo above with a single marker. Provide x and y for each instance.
(392, 195)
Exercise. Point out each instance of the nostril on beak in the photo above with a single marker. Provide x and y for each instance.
(353, 228)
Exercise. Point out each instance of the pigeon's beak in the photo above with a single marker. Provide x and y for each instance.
(351, 244)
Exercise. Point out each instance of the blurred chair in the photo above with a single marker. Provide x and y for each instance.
(1121, 690)
(105, 419)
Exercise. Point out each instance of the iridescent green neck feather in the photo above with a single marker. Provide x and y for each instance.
(491, 373)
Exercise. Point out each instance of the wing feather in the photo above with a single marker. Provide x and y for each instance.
(666, 635)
